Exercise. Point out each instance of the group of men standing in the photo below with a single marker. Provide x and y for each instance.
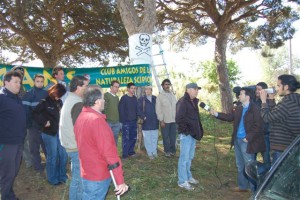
(87, 111)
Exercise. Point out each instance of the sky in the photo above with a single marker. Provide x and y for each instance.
(247, 59)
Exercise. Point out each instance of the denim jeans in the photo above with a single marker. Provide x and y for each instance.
(275, 155)
(241, 158)
(95, 189)
(187, 152)
(129, 134)
(57, 158)
(35, 142)
(169, 137)
(150, 141)
(115, 127)
(75, 191)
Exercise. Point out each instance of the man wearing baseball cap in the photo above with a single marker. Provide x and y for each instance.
(189, 129)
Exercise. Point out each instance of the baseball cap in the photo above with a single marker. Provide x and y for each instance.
(192, 85)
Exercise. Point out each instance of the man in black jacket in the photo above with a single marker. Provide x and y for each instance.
(190, 130)
(13, 129)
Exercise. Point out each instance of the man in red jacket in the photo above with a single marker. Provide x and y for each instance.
(96, 147)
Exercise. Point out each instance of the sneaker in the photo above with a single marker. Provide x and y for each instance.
(186, 186)
(151, 157)
(193, 181)
(168, 155)
(173, 154)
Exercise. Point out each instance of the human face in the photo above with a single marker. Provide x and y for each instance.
(114, 88)
(60, 75)
(100, 104)
(148, 91)
(82, 88)
(166, 86)
(243, 97)
(13, 85)
(39, 82)
(258, 89)
(282, 89)
(131, 90)
(193, 92)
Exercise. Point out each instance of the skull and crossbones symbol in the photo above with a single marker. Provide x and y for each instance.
(144, 41)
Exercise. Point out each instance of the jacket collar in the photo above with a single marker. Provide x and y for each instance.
(89, 109)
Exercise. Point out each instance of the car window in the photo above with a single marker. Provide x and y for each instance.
(285, 182)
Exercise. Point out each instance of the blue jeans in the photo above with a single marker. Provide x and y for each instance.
(150, 141)
(75, 191)
(115, 127)
(129, 134)
(169, 137)
(57, 158)
(275, 155)
(241, 158)
(187, 152)
(95, 189)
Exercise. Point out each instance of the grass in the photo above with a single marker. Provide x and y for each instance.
(213, 166)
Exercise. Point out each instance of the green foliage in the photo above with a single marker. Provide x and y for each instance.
(69, 32)
(210, 72)
(276, 62)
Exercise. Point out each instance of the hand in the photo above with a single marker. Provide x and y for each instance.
(47, 124)
(245, 140)
(271, 96)
(263, 96)
(121, 189)
(213, 112)
(162, 124)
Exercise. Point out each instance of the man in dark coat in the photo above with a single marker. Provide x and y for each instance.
(13, 130)
(189, 129)
(247, 137)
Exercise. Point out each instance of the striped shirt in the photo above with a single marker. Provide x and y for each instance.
(284, 120)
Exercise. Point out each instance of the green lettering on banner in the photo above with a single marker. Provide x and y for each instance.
(140, 75)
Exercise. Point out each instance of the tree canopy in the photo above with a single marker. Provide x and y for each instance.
(242, 23)
(69, 32)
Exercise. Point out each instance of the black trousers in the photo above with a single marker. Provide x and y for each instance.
(10, 160)
(35, 142)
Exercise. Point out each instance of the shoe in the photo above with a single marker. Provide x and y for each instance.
(186, 186)
(151, 157)
(237, 189)
(193, 181)
(172, 154)
(168, 155)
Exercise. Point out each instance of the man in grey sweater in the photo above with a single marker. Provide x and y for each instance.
(67, 136)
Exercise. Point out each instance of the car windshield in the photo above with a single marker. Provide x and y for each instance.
(285, 182)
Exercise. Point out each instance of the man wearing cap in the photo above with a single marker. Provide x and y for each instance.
(165, 110)
(189, 129)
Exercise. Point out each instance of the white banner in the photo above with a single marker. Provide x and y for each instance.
(140, 49)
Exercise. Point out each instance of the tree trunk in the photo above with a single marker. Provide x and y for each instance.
(220, 59)
(49, 63)
(135, 25)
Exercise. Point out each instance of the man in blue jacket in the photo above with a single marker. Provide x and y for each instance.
(30, 100)
(13, 130)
